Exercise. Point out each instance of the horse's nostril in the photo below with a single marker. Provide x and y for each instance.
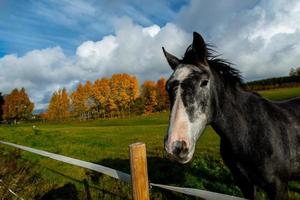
(180, 148)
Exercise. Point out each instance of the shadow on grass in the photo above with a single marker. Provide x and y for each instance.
(203, 173)
(88, 189)
(66, 192)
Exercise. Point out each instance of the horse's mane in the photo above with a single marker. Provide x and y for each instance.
(222, 67)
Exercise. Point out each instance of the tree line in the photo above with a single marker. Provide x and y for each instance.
(293, 80)
(117, 96)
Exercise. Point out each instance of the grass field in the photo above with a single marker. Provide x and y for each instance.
(106, 142)
(281, 93)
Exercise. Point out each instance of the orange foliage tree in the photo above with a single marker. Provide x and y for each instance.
(124, 90)
(162, 95)
(89, 101)
(78, 101)
(83, 103)
(17, 106)
(101, 94)
(111, 97)
(149, 95)
(59, 105)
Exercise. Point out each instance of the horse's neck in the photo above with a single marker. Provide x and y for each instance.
(230, 111)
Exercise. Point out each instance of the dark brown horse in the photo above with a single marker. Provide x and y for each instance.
(260, 139)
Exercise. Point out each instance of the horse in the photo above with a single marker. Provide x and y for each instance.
(259, 138)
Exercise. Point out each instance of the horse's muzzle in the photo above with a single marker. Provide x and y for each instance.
(178, 151)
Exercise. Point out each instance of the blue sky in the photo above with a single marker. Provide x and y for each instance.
(47, 45)
(28, 25)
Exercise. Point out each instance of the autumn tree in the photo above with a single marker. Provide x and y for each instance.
(78, 99)
(101, 94)
(59, 105)
(124, 90)
(64, 104)
(1, 106)
(119, 98)
(17, 106)
(89, 102)
(162, 95)
(138, 106)
(149, 95)
(53, 106)
(82, 101)
(133, 92)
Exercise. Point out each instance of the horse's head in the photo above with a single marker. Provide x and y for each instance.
(190, 96)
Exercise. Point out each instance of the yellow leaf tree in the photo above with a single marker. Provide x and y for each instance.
(83, 102)
(53, 105)
(64, 104)
(149, 95)
(59, 105)
(89, 101)
(101, 92)
(162, 95)
(17, 106)
(78, 102)
(124, 90)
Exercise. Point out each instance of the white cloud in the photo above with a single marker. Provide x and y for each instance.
(91, 55)
(151, 30)
(39, 71)
(133, 49)
(260, 37)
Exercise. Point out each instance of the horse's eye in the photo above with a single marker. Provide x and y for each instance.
(204, 83)
(175, 89)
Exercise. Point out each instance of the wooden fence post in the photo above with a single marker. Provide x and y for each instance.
(139, 173)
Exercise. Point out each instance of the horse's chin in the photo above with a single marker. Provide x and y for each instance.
(184, 161)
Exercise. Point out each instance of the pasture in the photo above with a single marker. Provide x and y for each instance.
(106, 142)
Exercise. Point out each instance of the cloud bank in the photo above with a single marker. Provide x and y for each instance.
(261, 37)
(133, 49)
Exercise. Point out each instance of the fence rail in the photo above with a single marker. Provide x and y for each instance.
(138, 164)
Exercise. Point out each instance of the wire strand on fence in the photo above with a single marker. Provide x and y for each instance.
(88, 165)
(123, 176)
(198, 193)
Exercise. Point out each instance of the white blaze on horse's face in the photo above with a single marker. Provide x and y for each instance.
(189, 92)
(190, 97)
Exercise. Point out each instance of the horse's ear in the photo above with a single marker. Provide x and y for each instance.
(172, 60)
(199, 47)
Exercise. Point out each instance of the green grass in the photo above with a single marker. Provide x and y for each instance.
(281, 93)
(106, 142)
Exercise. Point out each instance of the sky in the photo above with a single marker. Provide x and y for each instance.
(47, 45)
